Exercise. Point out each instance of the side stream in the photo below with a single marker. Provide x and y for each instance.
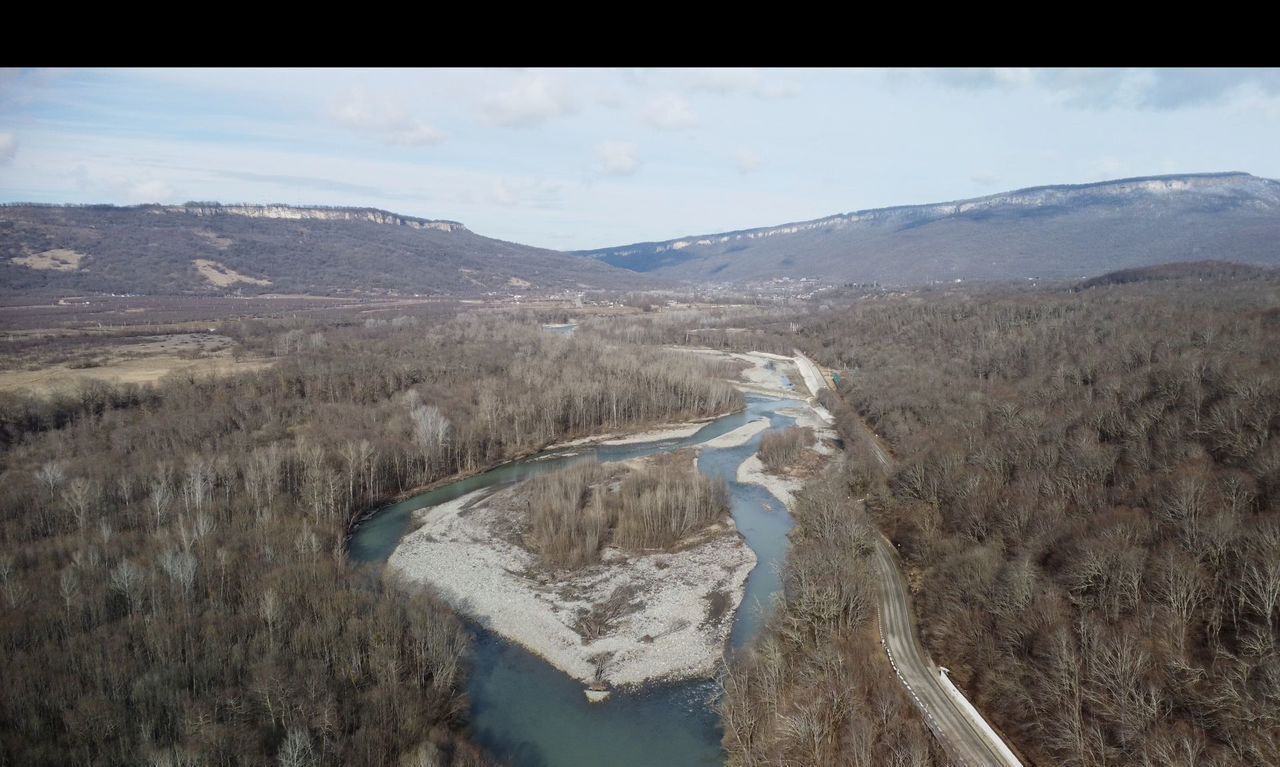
(530, 714)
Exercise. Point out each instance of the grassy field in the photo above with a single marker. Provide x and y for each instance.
(48, 368)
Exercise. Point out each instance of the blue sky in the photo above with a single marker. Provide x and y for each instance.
(589, 158)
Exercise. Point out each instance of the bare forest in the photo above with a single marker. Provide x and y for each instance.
(815, 688)
(575, 512)
(780, 449)
(174, 578)
(1085, 493)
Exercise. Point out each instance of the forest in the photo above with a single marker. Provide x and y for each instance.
(174, 578)
(571, 514)
(1082, 484)
(1084, 490)
(815, 687)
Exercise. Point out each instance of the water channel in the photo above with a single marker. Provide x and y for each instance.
(528, 713)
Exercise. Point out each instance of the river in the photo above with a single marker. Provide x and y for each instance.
(530, 714)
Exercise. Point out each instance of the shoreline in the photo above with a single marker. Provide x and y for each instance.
(662, 432)
(658, 433)
(494, 583)
(684, 601)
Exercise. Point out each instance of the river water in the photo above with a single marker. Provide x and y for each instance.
(528, 713)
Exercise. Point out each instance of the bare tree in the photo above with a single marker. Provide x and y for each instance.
(296, 751)
(128, 579)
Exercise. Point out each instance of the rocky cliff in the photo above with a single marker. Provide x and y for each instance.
(316, 213)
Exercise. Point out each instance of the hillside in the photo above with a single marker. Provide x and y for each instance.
(1053, 232)
(1189, 270)
(254, 249)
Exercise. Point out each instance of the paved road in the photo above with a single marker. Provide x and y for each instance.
(810, 373)
(966, 736)
(959, 727)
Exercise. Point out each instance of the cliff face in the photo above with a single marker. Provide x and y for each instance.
(312, 213)
(1049, 231)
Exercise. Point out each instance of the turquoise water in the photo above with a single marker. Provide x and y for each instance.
(528, 713)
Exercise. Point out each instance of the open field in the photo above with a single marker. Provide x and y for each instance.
(104, 313)
(222, 275)
(57, 260)
(132, 360)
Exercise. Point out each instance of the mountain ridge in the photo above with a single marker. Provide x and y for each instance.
(242, 248)
(279, 210)
(1056, 231)
(1221, 190)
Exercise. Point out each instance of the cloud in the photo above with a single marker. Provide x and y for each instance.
(8, 147)
(294, 182)
(670, 111)
(22, 87)
(985, 178)
(1108, 167)
(152, 190)
(528, 101)
(747, 161)
(525, 192)
(617, 158)
(1101, 89)
(384, 117)
(983, 78)
(1173, 89)
(115, 183)
(417, 134)
(723, 82)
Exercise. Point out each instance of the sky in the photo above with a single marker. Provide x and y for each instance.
(580, 158)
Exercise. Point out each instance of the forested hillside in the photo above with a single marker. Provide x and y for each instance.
(1087, 495)
(1048, 232)
(1085, 489)
(208, 248)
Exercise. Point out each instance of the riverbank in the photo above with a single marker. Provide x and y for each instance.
(680, 605)
(611, 439)
(763, 373)
(663, 615)
(657, 433)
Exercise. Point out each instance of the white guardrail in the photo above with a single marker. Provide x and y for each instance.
(974, 716)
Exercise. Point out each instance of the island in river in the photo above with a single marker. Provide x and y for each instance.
(669, 612)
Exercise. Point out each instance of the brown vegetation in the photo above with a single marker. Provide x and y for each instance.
(779, 450)
(573, 513)
(174, 578)
(815, 687)
(1087, 491)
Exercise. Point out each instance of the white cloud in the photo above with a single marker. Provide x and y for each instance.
(385, 117)
(152, 190)
(1109, 167)
(8, 147)
(1129, 88)
(525, 192)
(617, 158)
(416, 134)
(985, 178)
(726, 81)
(528, 101)
(747, 161)
(670, 111)
(981, 78)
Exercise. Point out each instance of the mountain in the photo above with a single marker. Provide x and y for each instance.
(212, 248)
(1045, 232)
